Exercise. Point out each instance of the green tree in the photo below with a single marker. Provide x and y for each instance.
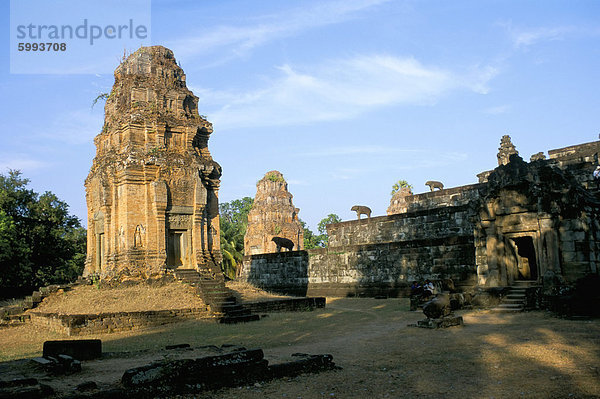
(234, 220)
(311, 240)
(322, 227)
(40, 242)
(400, 184)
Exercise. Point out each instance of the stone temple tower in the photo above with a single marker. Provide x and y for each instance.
(272, 215)
(152, 191)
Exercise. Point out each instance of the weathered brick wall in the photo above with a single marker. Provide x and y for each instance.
(80, 324)
(285, 305)
(455, 196)
(579, 160)
(425, 224)
(380, 256)
(281, 272)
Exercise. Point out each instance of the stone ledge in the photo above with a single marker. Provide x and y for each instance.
(285, 305)
(78, 324)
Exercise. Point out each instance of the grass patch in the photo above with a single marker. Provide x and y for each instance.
(88, 299)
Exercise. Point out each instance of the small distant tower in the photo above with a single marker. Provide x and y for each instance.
(506, 149)
(272, 215)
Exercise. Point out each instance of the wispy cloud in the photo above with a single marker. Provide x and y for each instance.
(373, 159)
(74, 127)
(23, 162)
(339, 89)
(357, 150)
(524, 37)
(239, 40)
(497, 110)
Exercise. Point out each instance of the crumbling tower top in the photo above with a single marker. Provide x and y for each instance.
(506, 149)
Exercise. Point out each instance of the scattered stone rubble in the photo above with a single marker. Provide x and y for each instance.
(179, 373)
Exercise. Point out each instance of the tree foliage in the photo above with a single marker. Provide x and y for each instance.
(312, 240)
(40, 242)
(234, 220)
(400, 184)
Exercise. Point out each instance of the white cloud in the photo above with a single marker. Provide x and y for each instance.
(497, 110)
(525, 38)
(337, 90)
(22, 162)
(374, 159)
(238, 40)
(522, 38)
(74, 127)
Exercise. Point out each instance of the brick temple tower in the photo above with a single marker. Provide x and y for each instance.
(152, 191)
(272, 215)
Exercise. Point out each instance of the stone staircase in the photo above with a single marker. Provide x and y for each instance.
(515, 299)
(219, 298)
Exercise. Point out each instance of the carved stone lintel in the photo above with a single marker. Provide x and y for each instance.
(179, 221)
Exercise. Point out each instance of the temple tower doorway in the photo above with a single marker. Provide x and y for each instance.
(527, 264)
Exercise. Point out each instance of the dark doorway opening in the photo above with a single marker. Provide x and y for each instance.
(527, 263)
(176, 248)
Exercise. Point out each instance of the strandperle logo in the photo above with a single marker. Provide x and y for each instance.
(85, 31)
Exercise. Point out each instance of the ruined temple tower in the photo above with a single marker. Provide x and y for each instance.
(152, 191)
(506, 149)
(272, 215)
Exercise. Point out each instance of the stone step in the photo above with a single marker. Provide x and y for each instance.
(515, 296)
(235, 310)
(506, 310)
(513, 301)
(508, 306)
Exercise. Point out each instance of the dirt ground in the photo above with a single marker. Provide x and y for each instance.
(525, 355)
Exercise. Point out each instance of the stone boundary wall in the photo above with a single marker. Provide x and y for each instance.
(285, 272)
(446, 221)
(455, 196)
(81, 324)
(285, 305)
(377, 256)
(364, 270)
(579, 153)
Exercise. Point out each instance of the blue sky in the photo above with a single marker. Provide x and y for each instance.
(343, 97)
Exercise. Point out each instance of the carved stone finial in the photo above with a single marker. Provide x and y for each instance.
(505, 150)
(398, 202)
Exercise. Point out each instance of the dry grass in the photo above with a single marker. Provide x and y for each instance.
(86, 299)
(247, 292)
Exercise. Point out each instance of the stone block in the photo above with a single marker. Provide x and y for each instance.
(84, 349)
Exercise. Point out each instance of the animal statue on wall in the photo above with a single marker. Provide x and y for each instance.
(434, 184)
(282, 242)
(361, 210)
